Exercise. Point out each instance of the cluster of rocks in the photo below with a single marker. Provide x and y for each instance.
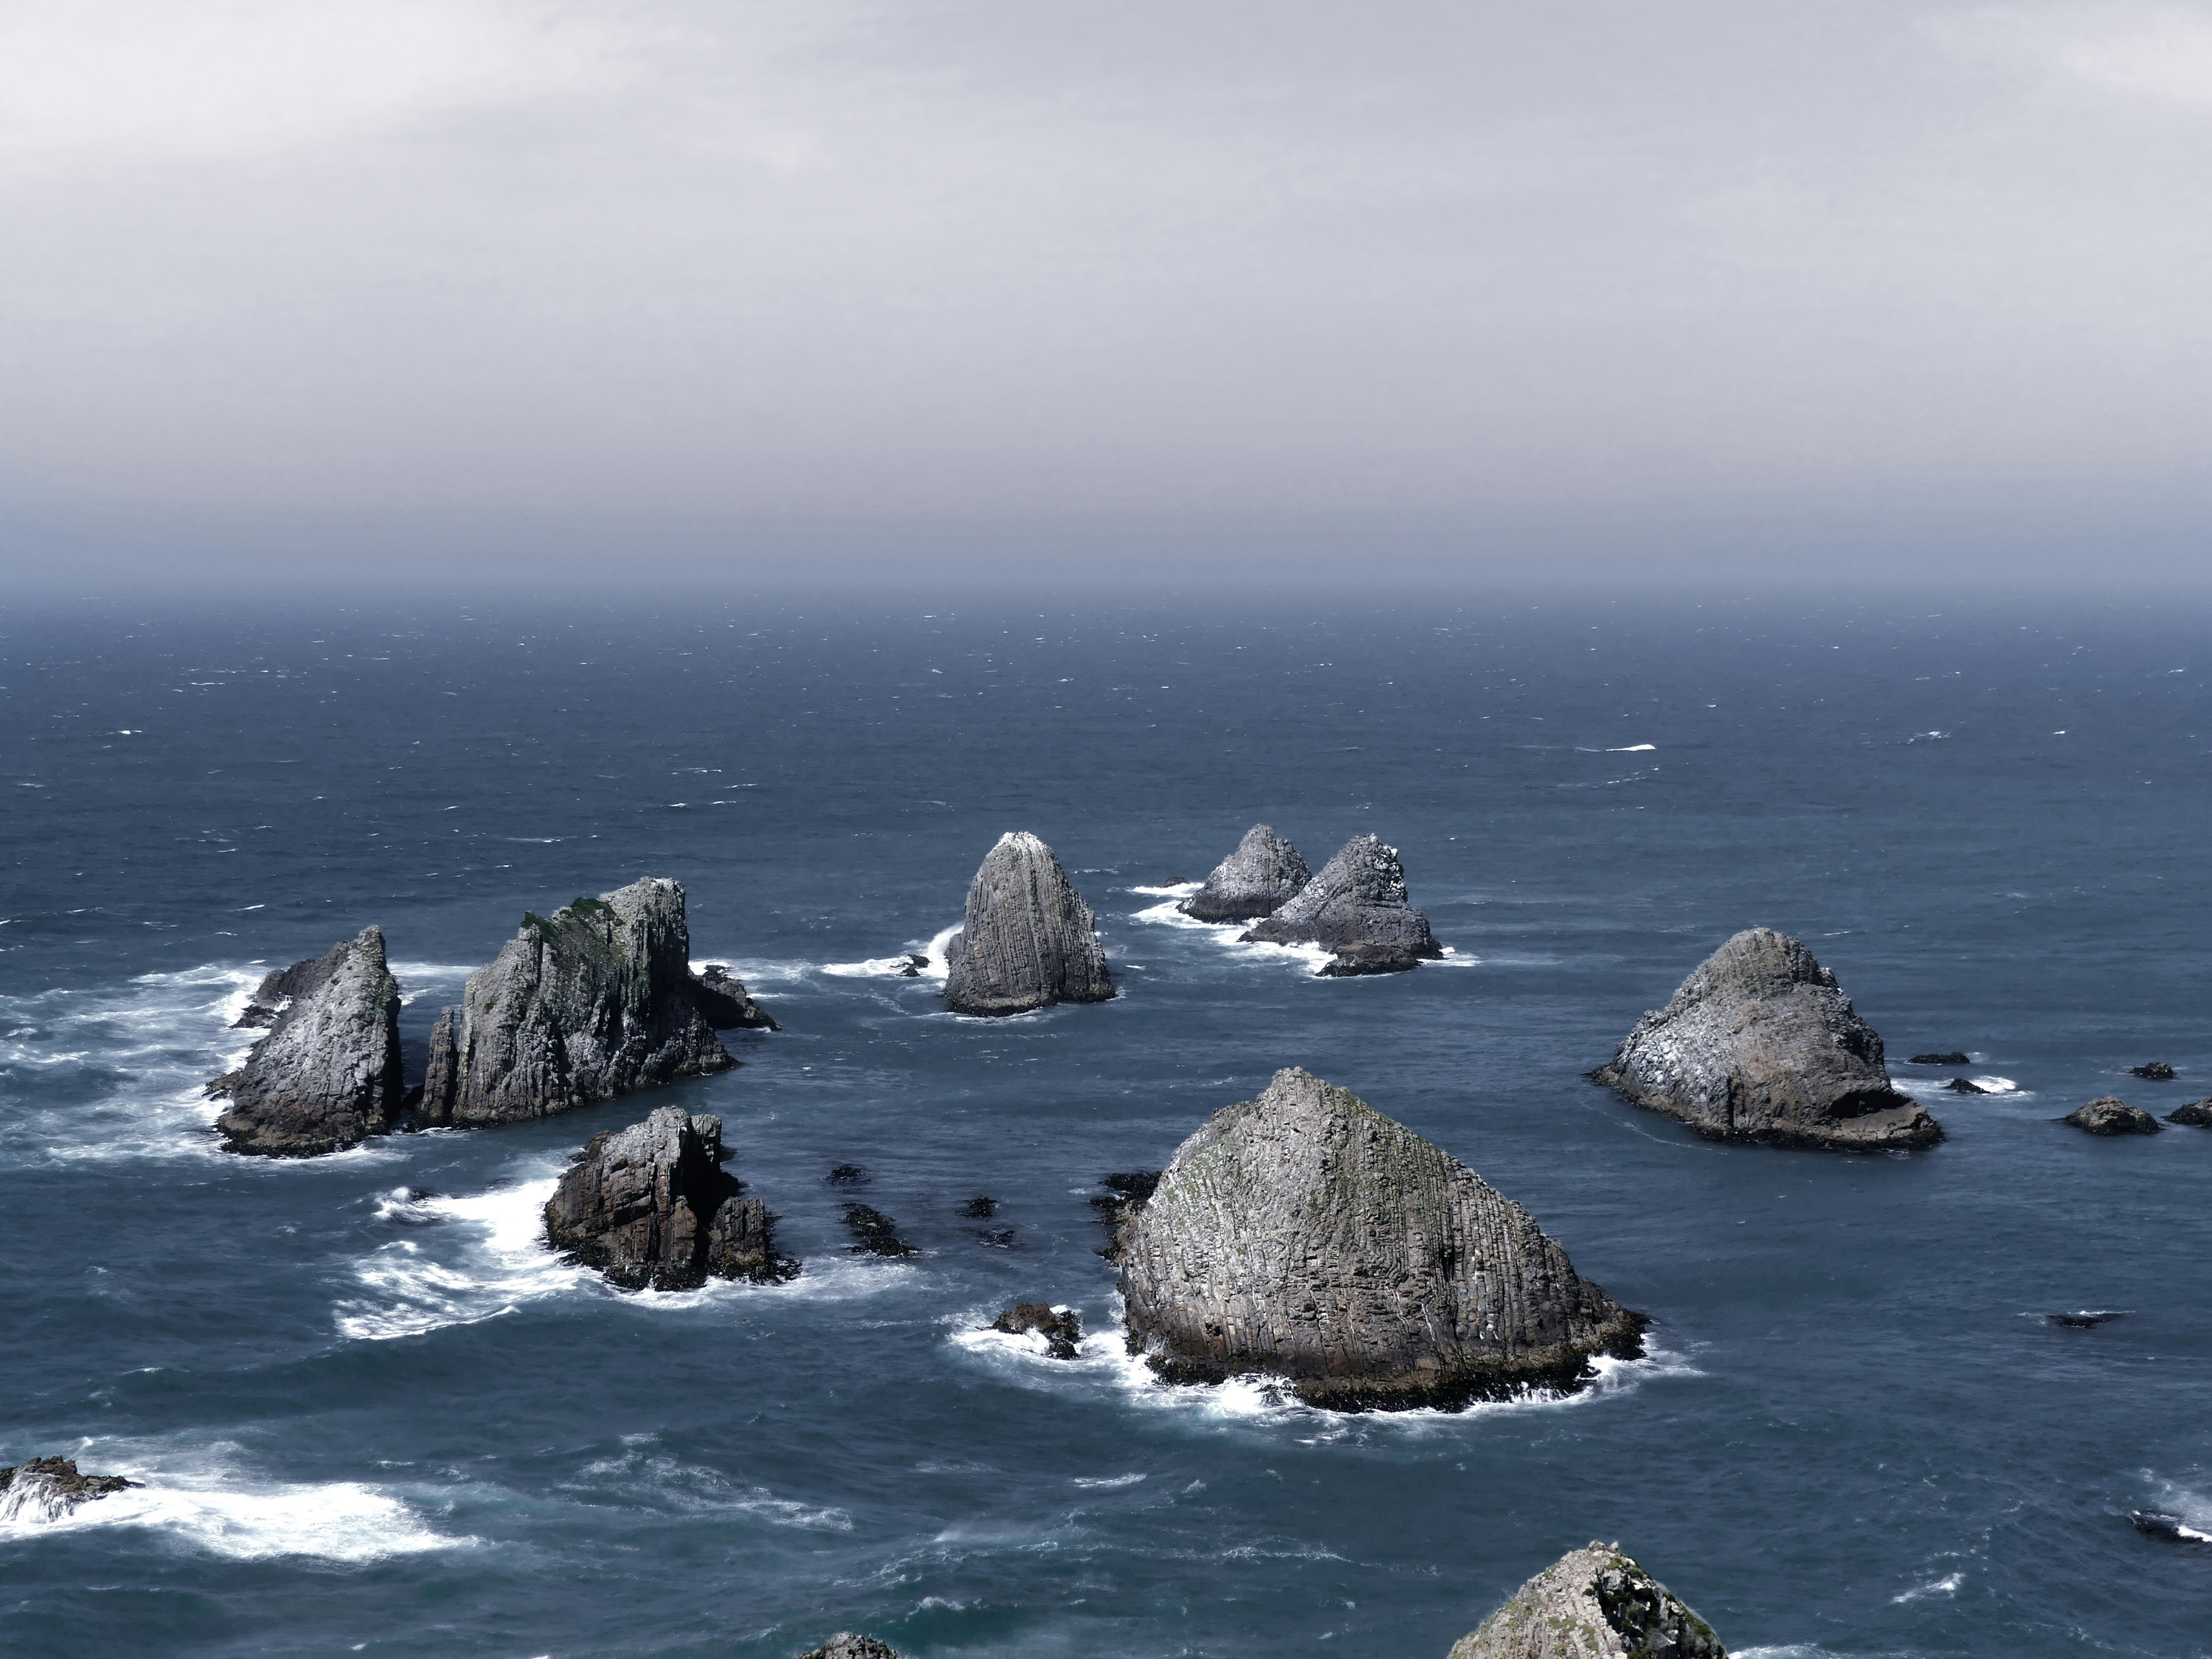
(1060, 1328)
(1357, 906)
(47, 1488)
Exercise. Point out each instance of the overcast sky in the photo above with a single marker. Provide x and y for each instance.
(451, 279)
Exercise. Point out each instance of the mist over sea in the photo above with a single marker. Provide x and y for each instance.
(373, 1414)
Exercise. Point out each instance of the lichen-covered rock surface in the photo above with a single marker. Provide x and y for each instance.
(2108, 1116)
(1592, 1603)
(596, 1001)
(1761, 1044)
(1027, 941)
(651, 1205)
(1305, 1235)
(47, 1488)
(846, 1646)
(327, 1075)
(1357, 907)
(1261, 876)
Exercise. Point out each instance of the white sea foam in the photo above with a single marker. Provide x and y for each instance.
(1634, 749)
(494, 1259)
(1947, 1585)
(1181, 890)
(1106, 1483)
(2192, 1509)
(935, 968)
(753, 972)
(1312, 958)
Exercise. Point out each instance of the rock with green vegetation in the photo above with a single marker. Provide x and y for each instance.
(327, 1075)
(1259, 879)
(1357, 907)
(1760, 1044)
(595, 1000)
(1304, 1235)
(1027, 940)
(1593, 1603)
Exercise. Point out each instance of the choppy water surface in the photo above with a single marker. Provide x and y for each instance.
(373, 1414)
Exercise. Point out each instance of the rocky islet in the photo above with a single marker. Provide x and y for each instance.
(1027, 941)
(2107, 1114)
(1357, 907)
(1262, 875)
(1596, 1603)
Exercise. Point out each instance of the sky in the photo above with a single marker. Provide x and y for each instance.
(1288, 291)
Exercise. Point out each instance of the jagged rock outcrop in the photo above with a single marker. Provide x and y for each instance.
(874, 1233)
(2197, 1112)
(596, 1001)
(327, 1075)
(651, 1205)
(1760, 1043)
(47, 1488)
(2156, 1070)
(2107, 1115)
(1259, 879)
(846, 1646)
(1592, 1603)
(1060, 1328)
(723, 1002)
(1027, 940)
(1356, 907)
(1305, 1235)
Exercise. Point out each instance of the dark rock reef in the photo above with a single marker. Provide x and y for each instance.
(47, 1488)
(2154, 1524)
(724, 1004)
(327, 1075)
(1593, 1603)
(2109, 1115)
(846, 1646)
(596, 1001)
(1126, 1193)
(1305, 1235)
(2197, 1112)
(1060, 1327)
(1964, 1085)
(875, 1233)
(1261, 876)
(651, 1205)
(1761, 1044)
(2156, 1070)
(1357, 906)
(2087, 1320)
(1956, 1057)
(1027, 940)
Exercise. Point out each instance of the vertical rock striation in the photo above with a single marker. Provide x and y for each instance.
(651, 1205)
(1028, 939)
(327, 1075)
(596, 1001)
(1357, 906)
(1592, 1603)
(1760, 1043)
(1305, 1235)
(1261, 876)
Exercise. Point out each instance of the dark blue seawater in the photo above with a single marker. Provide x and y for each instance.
(377, 1423)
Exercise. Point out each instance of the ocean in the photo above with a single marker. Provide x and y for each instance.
(375, 1414)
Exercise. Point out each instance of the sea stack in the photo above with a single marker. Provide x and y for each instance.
(47, 1488)
(327, 1075)
(1028, 939)
(1261, 876)
(1304, 1235)
(1593, 1603)
(1761, 1044)
(596, 1001)
(1357, 906)
(651, 1205)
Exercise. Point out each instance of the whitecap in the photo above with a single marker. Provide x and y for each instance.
(1634, 749)
(497, 1259)
(1107, 1482)
(1947, 1585)
(1229, 935)
(1181, 890)
(935, 965)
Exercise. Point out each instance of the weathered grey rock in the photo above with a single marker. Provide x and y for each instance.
(1028, 939)
(1060, 1327)
(327, 1075)
(1357, 906)
(2107, 1115)
(2197, 1112)
(1261, 876)
(47, 1488)
(723, 1002)
(1592, 1603)
(651, 1205)
(846, 1646)
(1305, 1235)
(596, 1001)
(1760, 1043)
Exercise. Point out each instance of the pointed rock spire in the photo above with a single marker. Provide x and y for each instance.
(1592, 1603)
(1262, 875)
(1028, 939)
(1357, 906)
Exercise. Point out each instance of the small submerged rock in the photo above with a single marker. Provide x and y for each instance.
(1593, 1603)
(2156, 1070)
(875, 1233)
(846, 1646)
(1760, 1043)
(1060, 1327)
(1956, 1057)
(1262, 875)
(2197, 1112)
(2107, 1114)
(979, 1208)
(1962, 1085)
(2157, 1524)
(1027, 939)
(48, 1488)
(1357, 907)
(651, 1205)
(848, 1174)
(2086, 1319)
(915, 965)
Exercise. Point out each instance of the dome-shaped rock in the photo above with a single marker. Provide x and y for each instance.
(1262, 875)
(1592, 1603)
(596, 1001)
(1028, 939)
(1760, 1043)
(2197, 1113)
(1357, 906)
(327, 1075)
(652, 1205)
(1305, 1235)
(2108, 1116)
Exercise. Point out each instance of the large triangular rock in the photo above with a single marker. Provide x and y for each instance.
(595, 1000)
(1305, 1235)
(327, 1075)
(1760, 1043)
(1593, 1603)
(1357, 906)
(1028, 939)
(1261, 876)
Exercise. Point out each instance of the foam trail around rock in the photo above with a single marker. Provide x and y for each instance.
(936, 967)
(1228, 935)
